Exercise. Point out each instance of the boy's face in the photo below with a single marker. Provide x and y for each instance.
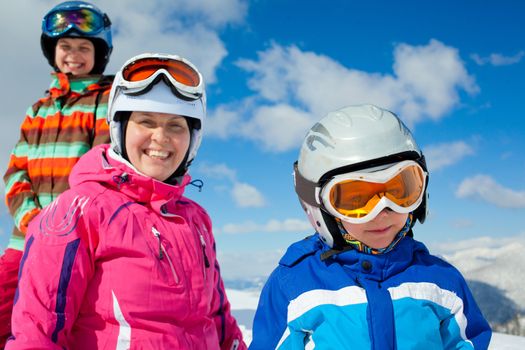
(75, 56)
(380, 231)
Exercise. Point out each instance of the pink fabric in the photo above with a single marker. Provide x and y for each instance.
(110, 282)
(9, 263)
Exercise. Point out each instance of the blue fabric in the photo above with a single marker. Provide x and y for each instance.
(65, 276)
(404, 299)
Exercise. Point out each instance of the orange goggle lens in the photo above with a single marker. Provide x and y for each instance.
(356, 198)
(144, 68)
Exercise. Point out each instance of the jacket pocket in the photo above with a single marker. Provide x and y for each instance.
(202, 246)
(164, 257)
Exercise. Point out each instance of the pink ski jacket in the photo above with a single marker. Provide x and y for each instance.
(121, 261)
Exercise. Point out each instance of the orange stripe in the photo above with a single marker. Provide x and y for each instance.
(17, 188)
(57, 120)
(51, 166)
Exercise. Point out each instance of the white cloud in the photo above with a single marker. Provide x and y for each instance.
(295, 87)
(217, 171)
(484, 188)
(222, 122)
(287, 225)
(277, 128)
(497, 59)
(246, 195)
(442, 155)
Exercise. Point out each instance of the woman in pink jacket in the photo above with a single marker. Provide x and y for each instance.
(130, 263)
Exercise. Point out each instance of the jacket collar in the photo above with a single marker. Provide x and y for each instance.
(377, 267)
(64, 84)
(104, 166)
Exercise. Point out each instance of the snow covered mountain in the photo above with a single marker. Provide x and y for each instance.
(495, 270)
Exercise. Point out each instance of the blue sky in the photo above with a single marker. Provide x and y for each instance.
(452, 70)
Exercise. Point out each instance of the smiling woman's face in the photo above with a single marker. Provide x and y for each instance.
(156, 143)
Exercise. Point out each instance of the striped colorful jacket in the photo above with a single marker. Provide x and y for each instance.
(56, 131)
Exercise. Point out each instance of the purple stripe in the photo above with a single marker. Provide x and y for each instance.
(221, 305)
(65, 277)
(118, 210)
(29, 243)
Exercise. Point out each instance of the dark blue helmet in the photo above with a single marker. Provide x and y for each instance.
(77, 19)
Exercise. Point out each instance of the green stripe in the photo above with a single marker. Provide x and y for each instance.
(58, 150)
(102, 111)
(16, 242)
(20, 149)
(19, 176)
(27, 205)
(81, 84)
(46, 198)
(48, 110)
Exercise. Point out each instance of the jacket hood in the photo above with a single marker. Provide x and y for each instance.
(104, 166)
(375, 267)
(64, 84)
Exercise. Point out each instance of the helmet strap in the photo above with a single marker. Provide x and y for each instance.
(361, 247)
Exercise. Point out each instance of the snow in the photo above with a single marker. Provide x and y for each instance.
(504, 342)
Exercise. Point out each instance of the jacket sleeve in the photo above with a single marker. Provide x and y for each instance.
(474, 329)
(270, 329)
(21, 200)
(101, 128)
(55, 269)
(230, 335)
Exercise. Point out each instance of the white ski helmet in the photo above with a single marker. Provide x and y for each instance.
(346, 140)
(159, 92)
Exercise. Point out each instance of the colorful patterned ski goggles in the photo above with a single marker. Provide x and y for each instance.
(181, 75)
(84, 20)
(358, 197)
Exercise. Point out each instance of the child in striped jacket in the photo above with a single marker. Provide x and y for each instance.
(57, 129)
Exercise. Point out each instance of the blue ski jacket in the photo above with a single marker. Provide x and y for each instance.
(404, 299)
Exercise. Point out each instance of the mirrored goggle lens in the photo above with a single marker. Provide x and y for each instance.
(357, 198)
(85, 20)
(145, 68)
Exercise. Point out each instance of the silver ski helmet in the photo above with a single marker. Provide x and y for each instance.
(159, 92)
(77, 19)
(344, 141)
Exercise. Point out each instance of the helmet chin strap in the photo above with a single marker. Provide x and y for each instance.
(354, 244)
(360, 246)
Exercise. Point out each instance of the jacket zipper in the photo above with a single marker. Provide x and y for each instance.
(163, 253)
(203, 245)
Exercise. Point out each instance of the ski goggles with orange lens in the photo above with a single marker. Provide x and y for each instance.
(183, 77)
(84, 20)
(358, 197)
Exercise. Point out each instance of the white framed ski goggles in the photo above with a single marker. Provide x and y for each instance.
(358, 197)
(140, 74)
(84, 20)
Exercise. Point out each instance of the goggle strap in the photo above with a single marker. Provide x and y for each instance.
(393, 158)
(305, 188)
(166, 80)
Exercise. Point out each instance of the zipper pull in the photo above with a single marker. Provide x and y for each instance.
(156, 233)
(203, 243)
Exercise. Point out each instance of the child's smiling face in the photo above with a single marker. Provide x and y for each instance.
(380, 231)
(75, 55)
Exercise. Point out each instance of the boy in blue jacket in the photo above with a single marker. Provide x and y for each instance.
(362, 281)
